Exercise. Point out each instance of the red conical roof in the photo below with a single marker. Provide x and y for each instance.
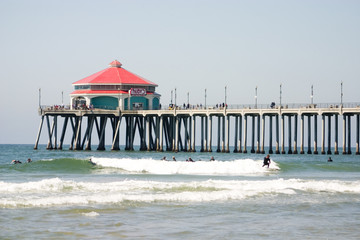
(114, 74)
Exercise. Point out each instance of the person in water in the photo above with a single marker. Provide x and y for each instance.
(164, 158)
(29, 160)
(330, 160)
(212, 158)
(173, 158)
(91, 162)
(15, 161)
(267, 161)
(190, 160)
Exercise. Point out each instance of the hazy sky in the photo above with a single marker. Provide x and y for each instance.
(190, 45)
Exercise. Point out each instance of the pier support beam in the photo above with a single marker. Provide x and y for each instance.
(323, 134)
(39, 133)
(245, 134)
(270, 134)
(240, 134)
(210, 134)
(309, 134)
(223, 134)
(329, 135)
(302, 134)
(277, 135)
(289, 135)
(336, 151)
(236, 134)
(357, 134)
(344, 134)
(282, 135)
(295, 133)
(315, 134)
(193, 134)
(252, 134)
(263, 134)
(349, 134)
(227, 150)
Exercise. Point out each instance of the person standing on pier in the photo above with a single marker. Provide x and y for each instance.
(267, 161)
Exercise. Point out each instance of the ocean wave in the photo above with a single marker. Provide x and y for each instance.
(55, 191)
(236, 167)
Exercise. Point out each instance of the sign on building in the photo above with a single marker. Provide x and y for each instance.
(138, 92)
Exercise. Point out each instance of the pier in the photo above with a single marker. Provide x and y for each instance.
(285, 129)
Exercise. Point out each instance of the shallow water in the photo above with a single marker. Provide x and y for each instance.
(135, 195)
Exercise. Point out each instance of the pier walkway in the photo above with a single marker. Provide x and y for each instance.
(251, 127)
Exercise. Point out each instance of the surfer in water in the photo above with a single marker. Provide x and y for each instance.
(267, 161)
(212, 158)
(91, 162)
(330, 160)
(16, 161)
(173, 158)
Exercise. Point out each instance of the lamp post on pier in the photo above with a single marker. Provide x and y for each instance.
(188, 97)
(312, 95)
(341, 96)
(205, 98)
(39, 97)
(225, 96)
(256, 96)
(175, 97)
(280, 94)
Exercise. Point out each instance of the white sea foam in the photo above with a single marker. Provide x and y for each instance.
(55, 191)
(91, 214)
(236, 167)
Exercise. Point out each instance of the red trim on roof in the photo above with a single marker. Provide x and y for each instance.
(115, 74)
(103, 92)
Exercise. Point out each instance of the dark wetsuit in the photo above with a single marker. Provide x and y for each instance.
(266, 161)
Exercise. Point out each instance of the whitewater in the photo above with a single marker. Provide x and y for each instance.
(135, 195)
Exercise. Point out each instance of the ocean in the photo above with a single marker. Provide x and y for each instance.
(136, 195)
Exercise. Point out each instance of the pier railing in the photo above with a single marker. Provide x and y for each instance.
(200, 107)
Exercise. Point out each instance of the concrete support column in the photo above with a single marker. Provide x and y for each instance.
(329, 135)
(349, 134)
(210, 134)
(227, 133)
(357, 134)
(190, 134)
(309, 135)
(302, 134)
(282, 135)
(315, 134)
(323, 134)
(147, 131)
(258, 134)
(344, 134)
(277, 135)
(252, 134)
(206, 134)
(219, 134)
(223, 134)
(236, 134)
(161, 133)
(193, 134)
(245, 133)
(336, 134)
(263, 134)
(295, 133)
(289, 133)
(240, 133)
(270, 134)
(202, 134)
(177, 120)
